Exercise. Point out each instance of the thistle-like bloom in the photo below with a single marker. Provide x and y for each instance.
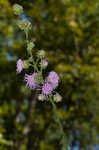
(47, 89)
(19, 66)
(53, 78)
(30, 80)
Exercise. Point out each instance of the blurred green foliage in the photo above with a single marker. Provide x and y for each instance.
(69, 32)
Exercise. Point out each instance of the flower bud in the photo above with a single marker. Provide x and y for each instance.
(41, 54)
(24, 25)
(57, 98)
(30, 45)
(44, 63)
(38, 78)
(18, 10)
(41, 97)
(25, 64)
(19, 65)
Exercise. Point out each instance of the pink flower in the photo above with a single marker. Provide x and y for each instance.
(53, 79)
(19, 66)
(47, 89)
(30, 79)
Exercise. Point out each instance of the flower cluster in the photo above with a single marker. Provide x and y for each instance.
(36, 81)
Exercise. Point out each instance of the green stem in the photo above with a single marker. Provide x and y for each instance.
(57, 119)
(34, 63)
(35, 66)
(41, 70)
(26, 33)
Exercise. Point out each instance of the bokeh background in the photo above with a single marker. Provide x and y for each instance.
(68, 30)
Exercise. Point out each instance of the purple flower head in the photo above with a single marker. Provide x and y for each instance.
(44, 63)
(19, 66)
(47, 89)
(30, 79)
(53, 78)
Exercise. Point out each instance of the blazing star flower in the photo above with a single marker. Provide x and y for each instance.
(19, 66)
(44, 63)
(47, 89)
(30, 79)
(53, 78)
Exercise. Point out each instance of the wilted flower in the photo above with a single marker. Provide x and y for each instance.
(19, 66)
(53, 78)
(30, 79)
(47, 89)
(57, 97)
(44, 63)
(18, 10)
